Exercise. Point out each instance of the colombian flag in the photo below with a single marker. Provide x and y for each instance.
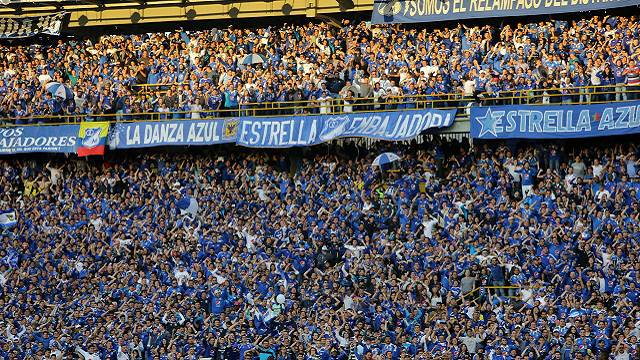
(92, 138)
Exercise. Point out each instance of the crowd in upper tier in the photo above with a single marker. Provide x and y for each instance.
(206, 72)
(318, 254)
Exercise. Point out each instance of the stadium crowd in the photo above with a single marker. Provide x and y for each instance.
(316, 254)
(205, 72)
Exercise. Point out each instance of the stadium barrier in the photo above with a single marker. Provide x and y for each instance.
(512, 291)
(585, 95)
(147, 89)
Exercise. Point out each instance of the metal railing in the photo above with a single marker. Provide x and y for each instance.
(568, 96)
(147, 89)
(512, 291)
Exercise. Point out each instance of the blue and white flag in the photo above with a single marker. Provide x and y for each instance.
(8, 219)
(188, 206)
(577, 312)
(193, 207)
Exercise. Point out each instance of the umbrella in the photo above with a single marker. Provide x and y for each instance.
(385, 158)
(60, 90)
(253, 59)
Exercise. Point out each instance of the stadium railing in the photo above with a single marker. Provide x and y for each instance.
(147, 89)
(552, 96)
(512, 291)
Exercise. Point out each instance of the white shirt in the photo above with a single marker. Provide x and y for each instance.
(428, 227)
(355, 250)
(16, 337)
(121, 354)
(196, 108)
(429, 70)
(55, 174)
(601, 193)
(87, 355)
(511, 167)
(469, 87)
(57, 353)
(597, 170)
(347, 107)
(44, 78)
(97, 223)
(385, 83)
(182, 276)
(470, 342)
(404, 77)
(378, 96)
(623, 356)
(348, 302)
(325, 104)
(262, 194)
(569, 180)
(527, 296)
(3, 278)
(595, 80)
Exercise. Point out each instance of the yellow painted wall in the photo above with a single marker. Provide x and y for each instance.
(172, 10)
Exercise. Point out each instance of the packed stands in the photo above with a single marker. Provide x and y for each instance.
(483, 249)
(319, 68)
(246, 254)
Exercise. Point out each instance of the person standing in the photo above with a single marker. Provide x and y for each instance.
(527, 174)
(325, 102)
(632, 72)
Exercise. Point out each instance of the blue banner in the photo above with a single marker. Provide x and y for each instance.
(172, 133)
(316, 129)
(554, 122)
(38, 138)
(411, 11)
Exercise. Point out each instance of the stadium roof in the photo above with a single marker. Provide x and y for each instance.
(32, 7)
(122, 12)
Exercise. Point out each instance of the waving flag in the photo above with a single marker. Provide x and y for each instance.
(577, 312)
(93, 138)
(188, 205)
(8, 219)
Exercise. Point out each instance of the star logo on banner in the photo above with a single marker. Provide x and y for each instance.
(487, 123)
